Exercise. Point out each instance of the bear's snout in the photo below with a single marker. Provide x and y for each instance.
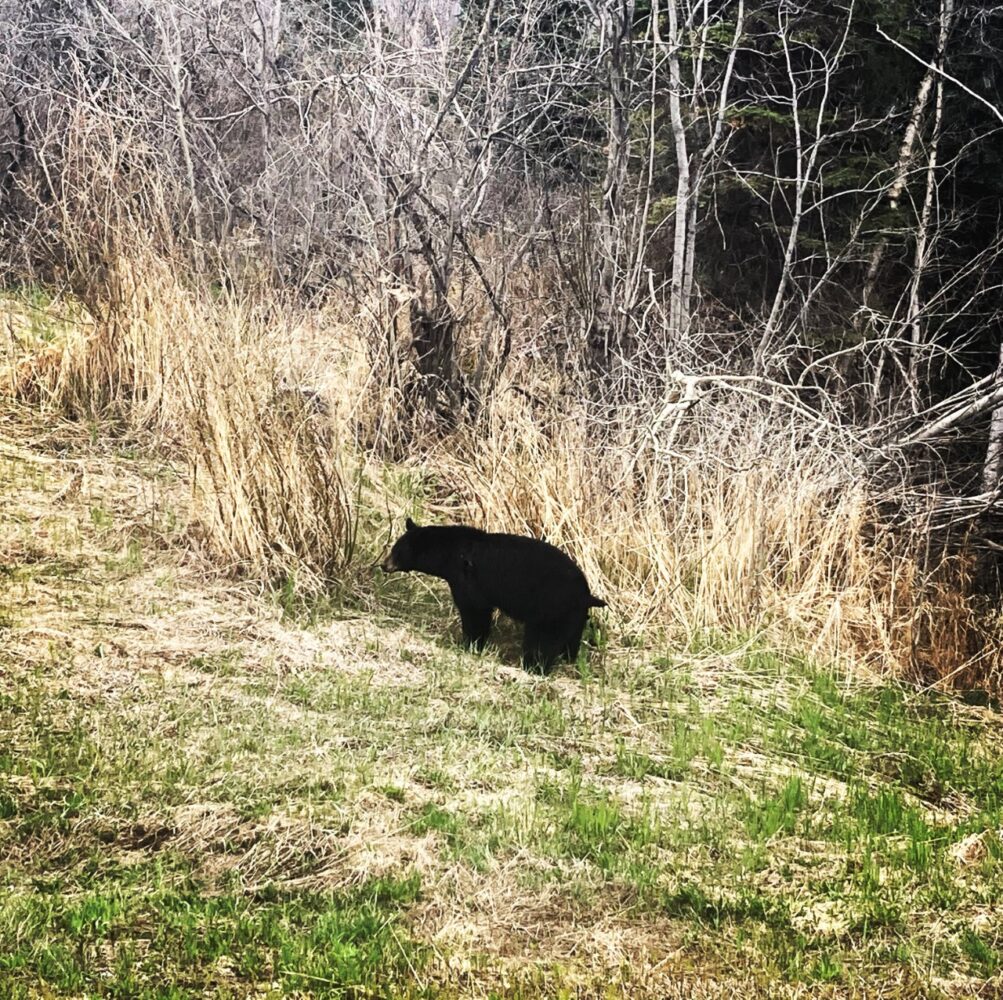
(388, 565)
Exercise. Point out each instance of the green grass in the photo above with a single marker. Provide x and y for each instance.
(735, 854)
(81, 913)
(166, 935)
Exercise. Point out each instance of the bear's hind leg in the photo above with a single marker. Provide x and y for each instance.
(544, 643)
(541, 646)
(571, 647)
(476, 625)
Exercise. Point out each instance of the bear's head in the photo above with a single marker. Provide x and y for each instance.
(409, 551)
(442, 550)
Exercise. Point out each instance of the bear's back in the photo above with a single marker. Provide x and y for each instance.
(527, 578)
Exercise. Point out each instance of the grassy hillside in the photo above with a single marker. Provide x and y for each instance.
(209, 790)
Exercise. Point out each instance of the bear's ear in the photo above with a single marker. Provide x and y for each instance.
(410, 525)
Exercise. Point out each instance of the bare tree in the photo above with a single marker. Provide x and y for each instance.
(808, 146)
(607, 330)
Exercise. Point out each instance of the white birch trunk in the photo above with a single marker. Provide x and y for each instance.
(994, 451)
(915, 315)
(677, 307)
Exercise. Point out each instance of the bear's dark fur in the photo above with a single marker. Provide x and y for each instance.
(529, 580)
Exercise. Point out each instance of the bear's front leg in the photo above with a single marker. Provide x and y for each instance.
(476, 625)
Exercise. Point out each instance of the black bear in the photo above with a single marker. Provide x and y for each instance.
(529, 580)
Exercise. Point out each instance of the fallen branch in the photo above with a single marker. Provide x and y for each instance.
(949, 420)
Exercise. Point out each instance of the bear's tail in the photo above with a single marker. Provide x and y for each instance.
(595, 602)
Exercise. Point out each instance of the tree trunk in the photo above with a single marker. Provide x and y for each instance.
(678, 308)
(605, 338)
(898, 183)
(915, 319)
(994, 452)
(805, 162)
(433, 336)
(705, 159)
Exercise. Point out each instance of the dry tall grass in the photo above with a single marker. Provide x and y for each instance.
(205, 372)
(734, 515)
